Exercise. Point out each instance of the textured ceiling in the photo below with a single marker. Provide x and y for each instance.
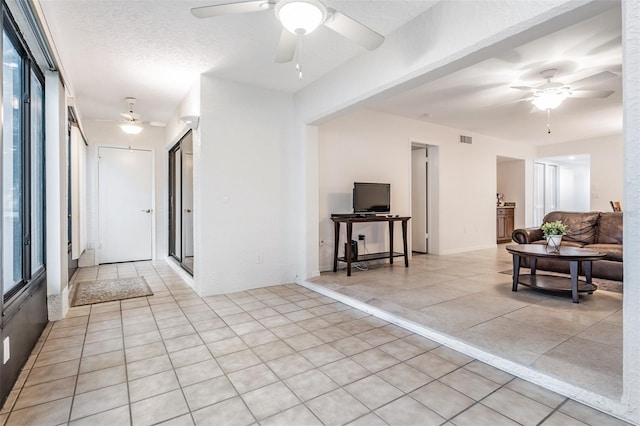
(155, 50)
(481, 99)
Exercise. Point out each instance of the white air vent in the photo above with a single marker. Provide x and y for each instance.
(465, 139)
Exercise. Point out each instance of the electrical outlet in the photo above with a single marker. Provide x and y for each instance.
(360, 237)
(6, 350)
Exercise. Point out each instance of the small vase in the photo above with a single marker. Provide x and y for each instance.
(553, 242)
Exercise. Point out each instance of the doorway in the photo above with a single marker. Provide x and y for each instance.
(181, 202)
(419, 198)
(125, 204)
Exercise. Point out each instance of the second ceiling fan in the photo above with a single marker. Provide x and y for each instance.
(298, 17)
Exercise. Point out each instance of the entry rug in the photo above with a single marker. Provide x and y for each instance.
(606, 285)
(89, 292)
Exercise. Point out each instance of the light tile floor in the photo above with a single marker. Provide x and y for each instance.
(281, 355)
(467, 297)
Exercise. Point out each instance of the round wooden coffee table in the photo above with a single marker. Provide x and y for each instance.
(573, 255)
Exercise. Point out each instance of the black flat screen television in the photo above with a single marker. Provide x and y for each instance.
(371, 197)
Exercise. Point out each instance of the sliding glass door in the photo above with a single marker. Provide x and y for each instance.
(181, 202)
(545, 190)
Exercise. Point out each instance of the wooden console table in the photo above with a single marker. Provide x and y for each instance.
(349, 220)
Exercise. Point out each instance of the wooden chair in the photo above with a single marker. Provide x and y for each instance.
(615, 205)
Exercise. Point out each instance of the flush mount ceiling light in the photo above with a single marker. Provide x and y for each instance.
(191, 121)
(300, 16)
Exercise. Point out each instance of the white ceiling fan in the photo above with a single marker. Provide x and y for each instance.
(550, 95)
(298, 17)
(131, 123)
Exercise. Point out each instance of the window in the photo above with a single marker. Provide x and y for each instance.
(23, 202)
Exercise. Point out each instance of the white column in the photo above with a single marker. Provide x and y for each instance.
(56, 187)
(631, 206)
(310, 246)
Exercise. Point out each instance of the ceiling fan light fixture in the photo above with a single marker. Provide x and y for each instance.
(547, 100)
(300, 16)
(131, 128)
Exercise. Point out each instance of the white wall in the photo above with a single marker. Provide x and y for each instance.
(100, 133)
(376, 147)
(631, 207)
(246, 186)
(606, 167)
(512, 183)
(56, 197)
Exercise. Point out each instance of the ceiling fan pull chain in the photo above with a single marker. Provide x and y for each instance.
(549, 121)
(298, 56)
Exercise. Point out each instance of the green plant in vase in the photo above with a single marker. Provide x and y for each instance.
(553, 232)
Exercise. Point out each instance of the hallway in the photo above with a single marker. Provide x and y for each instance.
(275, 355)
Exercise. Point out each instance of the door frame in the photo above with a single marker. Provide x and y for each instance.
(433, 191)
(153, 196)
(433, 243)
(420, 165)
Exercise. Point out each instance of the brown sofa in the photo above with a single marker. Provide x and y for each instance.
(597, 231)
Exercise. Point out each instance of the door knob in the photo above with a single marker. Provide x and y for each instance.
(146, 211)
(187, 210)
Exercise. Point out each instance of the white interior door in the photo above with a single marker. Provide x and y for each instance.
(125, 209)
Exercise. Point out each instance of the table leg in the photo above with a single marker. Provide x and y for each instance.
(573, 268)
(587, 272)
(336, 236)
(404, 243)
(532, 263)
(391, 242)
(348, 253)
(516, 272)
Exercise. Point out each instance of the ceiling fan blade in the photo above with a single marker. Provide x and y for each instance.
(286, 47)
(130, 115)
(529, 98)
(155, 123)
(598, 94)
(353, 30)
(229, 8)
(595, 78)
(525, 88)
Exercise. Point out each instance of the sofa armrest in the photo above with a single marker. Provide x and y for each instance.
(527, 235)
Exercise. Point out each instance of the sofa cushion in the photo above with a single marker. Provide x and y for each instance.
(613, 251)
(609, 228)
(582, 226)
